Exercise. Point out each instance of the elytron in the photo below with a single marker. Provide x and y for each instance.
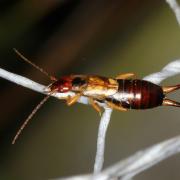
(121, 93)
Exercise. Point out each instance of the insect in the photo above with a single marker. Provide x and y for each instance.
(120, 93)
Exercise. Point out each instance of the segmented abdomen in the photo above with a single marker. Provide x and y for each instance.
(137, 94)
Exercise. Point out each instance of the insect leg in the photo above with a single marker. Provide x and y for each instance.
(95, 105)
(71, 100)
(114, 106)
(125, 76)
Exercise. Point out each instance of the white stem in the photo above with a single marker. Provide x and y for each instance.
(171, 69)
(103, 126)
(20, 80)
(144, 159)
(175, 8)
(126, 169)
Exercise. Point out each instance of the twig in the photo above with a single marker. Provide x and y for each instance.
(171, 69)
(145, 159)
(133, 165)
(175, 8)
(99, 160)
(20, 80)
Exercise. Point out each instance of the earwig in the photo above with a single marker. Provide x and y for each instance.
(120, 93)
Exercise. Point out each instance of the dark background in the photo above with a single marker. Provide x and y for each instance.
(90, 37)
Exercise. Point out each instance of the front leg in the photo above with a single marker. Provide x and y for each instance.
(71, 100)
(95, 105)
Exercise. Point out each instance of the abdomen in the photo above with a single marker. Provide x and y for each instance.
(137, 94)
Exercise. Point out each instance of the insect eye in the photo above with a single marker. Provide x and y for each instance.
(78, 81)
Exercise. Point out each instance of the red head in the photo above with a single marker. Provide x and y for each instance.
(69, 83)
(62, 85)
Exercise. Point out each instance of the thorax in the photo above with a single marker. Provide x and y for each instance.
(100, 87)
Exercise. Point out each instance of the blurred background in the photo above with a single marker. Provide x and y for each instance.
(83, 37)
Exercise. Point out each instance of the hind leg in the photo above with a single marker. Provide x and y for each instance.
(125, 76)
(114, 106)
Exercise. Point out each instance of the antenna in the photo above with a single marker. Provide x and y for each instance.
(34, 65)
(29, 118)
